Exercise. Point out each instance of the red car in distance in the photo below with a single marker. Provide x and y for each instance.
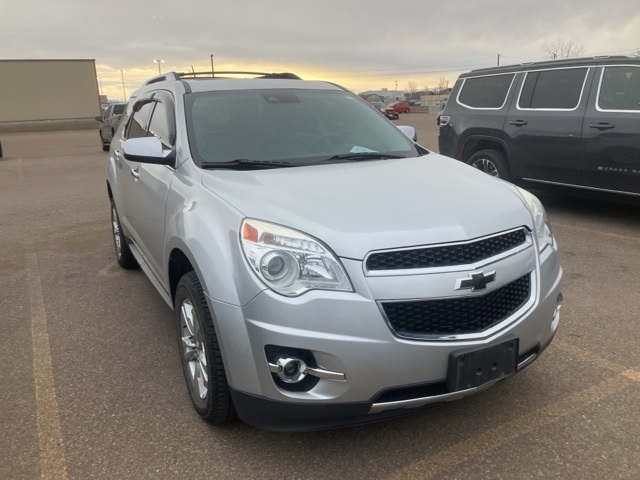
(400, 107)
(387, 111)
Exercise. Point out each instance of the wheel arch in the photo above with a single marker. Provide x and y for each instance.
(474, 144)
(179, 265)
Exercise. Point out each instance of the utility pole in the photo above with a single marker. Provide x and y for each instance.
(498, 59)
(212, 73)
(124, 92)
(100, 80)
(159, 61)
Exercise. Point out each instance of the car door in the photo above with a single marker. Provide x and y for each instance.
(610, 154)
(150, 185)
(544, 124)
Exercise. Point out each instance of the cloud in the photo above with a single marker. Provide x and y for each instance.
(367, 44)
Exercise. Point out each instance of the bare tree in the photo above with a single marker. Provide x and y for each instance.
(412, 87)
(561, 48)
(442, 84)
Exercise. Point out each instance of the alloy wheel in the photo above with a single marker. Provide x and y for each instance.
(193, 350)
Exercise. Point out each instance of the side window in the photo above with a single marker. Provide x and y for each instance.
(137, 126)
(485, 92)
(161, 125)
(558, 89)
(619, 88)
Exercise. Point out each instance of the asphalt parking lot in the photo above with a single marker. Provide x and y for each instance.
(91, 385)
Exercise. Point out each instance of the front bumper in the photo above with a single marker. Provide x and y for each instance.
(386, 375)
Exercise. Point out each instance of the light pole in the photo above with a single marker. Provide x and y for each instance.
(396, 85)
(100, 80)
(124, 92)
(159, 61)
(212, 74)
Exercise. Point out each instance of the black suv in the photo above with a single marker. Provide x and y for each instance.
(573, 122)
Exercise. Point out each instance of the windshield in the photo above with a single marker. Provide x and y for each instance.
(298, 127)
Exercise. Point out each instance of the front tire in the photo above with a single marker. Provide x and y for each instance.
(105, 145)
(491, 162)
(200, 353)
(123, 253)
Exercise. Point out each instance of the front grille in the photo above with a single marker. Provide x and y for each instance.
(446, 255)
(456, 316)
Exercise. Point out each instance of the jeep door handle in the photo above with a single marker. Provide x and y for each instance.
(135, 172)
(518, 123)
(602, 126)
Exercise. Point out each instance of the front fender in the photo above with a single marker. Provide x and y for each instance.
(205, 229)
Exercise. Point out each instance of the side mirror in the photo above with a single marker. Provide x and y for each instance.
(98, 118)
(148, 150)
(409, 132)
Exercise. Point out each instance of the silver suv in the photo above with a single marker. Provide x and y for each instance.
(324, 269)
(109, 122)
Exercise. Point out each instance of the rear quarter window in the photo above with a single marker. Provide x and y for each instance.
(619, 89)
(488, 92)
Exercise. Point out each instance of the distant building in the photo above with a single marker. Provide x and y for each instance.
(48, 93)
(384, 95)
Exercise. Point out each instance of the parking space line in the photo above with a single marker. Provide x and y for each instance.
(632, 374)
(596, 231)
(507, 432)
(588, 356)
(52, 461)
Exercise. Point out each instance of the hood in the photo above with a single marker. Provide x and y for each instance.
(362, 206)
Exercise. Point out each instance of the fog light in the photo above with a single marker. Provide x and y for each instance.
(290, 370)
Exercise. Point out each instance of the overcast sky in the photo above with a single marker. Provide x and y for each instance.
(361, 44)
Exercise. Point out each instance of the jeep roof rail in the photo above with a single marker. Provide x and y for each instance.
(177, 76)
(550, 62)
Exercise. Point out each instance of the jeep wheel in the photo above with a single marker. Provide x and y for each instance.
(123, 253)
(490, 162)
(200, 353)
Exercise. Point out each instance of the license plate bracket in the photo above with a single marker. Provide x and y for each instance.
(471, 368)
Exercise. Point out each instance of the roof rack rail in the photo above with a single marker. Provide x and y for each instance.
(283, 75)
(176, 76)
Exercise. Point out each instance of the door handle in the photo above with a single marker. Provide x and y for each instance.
(116, 152)
(518, 123)
(135, 172)
(602, 126)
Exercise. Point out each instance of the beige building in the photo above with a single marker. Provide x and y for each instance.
(48, 93)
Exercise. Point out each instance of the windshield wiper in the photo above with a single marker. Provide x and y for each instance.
(247, 164)
(362, 156)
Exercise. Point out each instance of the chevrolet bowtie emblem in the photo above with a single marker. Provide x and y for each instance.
(476, 281)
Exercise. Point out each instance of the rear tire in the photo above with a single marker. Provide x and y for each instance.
(200, 354)
(491, 162)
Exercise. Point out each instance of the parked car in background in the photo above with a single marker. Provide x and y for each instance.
(571, 123)
(387, 111)
(413, 102)
(400, 107)
(323, 269)
(109, 121)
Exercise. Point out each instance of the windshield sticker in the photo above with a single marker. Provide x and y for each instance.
(358, 149)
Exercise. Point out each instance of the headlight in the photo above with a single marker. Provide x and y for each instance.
(541, 226)
(290, 262)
